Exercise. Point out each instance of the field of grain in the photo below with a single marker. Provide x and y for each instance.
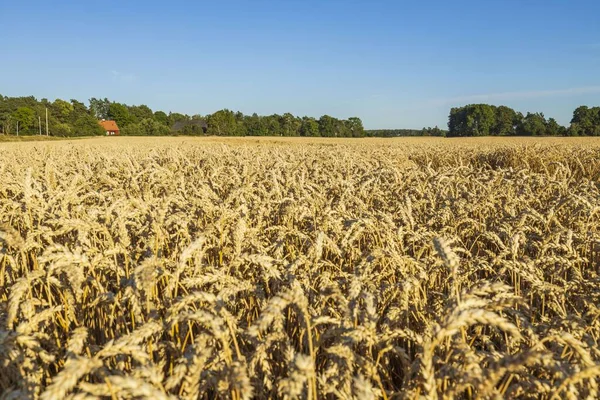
(270, 268)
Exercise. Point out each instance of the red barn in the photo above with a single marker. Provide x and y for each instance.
(110, 127)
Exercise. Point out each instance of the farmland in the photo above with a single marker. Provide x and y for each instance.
(241, 268)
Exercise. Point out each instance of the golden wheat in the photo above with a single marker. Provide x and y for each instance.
(272, 268)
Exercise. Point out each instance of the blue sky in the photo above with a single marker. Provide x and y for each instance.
(395, 64)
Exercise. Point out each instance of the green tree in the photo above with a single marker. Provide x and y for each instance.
(150, 127)
(272, 125)
(480, 119)
(457, 122)
(162, 118)
(120, 114)
(87, 125)
(222, 123)
(355, 126)
(140, 112)
(290, 125)
(309, 127)
(25, 117)
(327, 125)
(7, 121)
(5, 115)
(534, 124)
(586, 121)
(177, 117)
(432, 132)
(62, 129)
(472, 120)
(132, 130)
(79, 109)
(62, 110)
(506, 120)
(254, 125)
(99, 107)
(553, 128)
(241, 127)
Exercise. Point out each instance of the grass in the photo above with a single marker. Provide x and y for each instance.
(33, 138)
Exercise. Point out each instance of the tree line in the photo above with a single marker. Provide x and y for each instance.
(405, 132)
(226, 122)
(489, 120)
(26, 115)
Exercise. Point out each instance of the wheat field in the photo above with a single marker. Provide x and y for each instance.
(300, 269)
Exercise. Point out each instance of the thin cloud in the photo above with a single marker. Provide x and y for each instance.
(533, 94)
(123, 77)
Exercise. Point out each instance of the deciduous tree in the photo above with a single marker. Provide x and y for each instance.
(25, 116)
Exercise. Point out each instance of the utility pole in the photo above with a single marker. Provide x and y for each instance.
(40, 124)
(46, 121)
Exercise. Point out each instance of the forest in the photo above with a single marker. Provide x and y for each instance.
(489, 120)
(27, 116)
(406, 132)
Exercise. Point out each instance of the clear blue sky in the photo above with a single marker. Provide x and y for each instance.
(395, 64)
